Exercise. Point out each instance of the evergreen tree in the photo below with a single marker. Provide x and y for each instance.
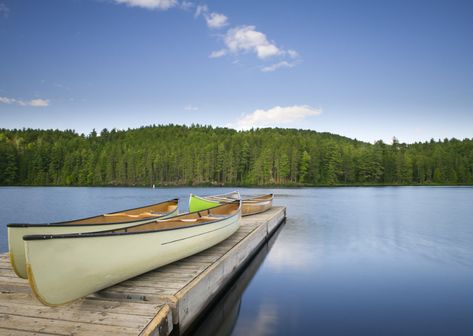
(177, 155)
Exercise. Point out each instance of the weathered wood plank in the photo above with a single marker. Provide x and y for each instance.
(88, 304)
(13, 332)
(14, 288)
(13, 279)
(125, 289)
(7, 273)
(36, 324)
(103, 318)
(161, 324)
(166, 277)
(5, 264)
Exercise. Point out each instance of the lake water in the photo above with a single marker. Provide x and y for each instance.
(366, 261)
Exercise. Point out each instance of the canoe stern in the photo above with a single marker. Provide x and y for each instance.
(197, 203)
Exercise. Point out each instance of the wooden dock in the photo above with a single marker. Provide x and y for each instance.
(155, 303)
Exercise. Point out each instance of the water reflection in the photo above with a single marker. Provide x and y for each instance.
(367, 261)
(265, 321)
(220, 320)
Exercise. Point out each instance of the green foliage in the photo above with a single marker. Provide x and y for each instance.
(304, 167)
(181, 155)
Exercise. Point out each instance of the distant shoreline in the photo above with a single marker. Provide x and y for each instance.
(174, 156)
(243, 186)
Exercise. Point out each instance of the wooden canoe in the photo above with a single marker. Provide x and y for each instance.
(250, 206)
(103, 222)
(63, 268)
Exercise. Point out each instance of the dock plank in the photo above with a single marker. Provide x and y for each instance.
(13, 332)
(61, 327)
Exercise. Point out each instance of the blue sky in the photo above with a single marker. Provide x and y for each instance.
(364, 69)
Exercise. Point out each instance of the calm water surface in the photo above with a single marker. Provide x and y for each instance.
(367, 261)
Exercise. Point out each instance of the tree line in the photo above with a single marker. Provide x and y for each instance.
(204, 155)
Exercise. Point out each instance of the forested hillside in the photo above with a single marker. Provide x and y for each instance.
(180, 155)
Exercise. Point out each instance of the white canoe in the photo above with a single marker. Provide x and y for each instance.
(63, 268)
(250, 206)
(111, 221)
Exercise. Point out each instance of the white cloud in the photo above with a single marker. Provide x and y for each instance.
(216, 20)
(213, 20)
(218, 53)
(5, 100)
(149, 4)
(276, 116)
(189, 107)
(201, 10)
(4, 10)
(39, 102)
(244, 39)
(34, 102)
(292, 53)
(275, 66)
(247, 39)
(186, 5)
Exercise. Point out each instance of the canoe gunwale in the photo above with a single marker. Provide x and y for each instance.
(265, 200)
(221, 195)
(257, 198)
(66, 223)
(222, 198)
(111, 233)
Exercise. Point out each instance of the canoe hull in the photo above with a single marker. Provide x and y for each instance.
(62, 270)
(250, 206)
(248, 209)
(17, 247)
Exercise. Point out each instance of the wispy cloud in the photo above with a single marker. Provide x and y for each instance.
(243, 39)
(4, 10)
(213, 19)
(34, 102)
(200, 10)
(149, 4)
(276, 116)
(218, 53)
(276, 66)
(216, 20)
(186, 5)
(292, 53)
(189, 107)
(246, 39)
(38, 103)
